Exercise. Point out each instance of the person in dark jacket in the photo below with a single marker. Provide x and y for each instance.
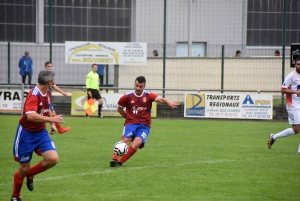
(25, 65)
(100, 72)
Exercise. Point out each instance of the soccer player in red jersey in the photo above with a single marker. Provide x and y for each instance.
(32, 134)
(61, 130)
(138, 104)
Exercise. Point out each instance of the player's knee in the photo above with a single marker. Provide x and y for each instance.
(137, 145)
(51, 160)
(126, 140)
(23, 169)
(296, 129)
(141, 146)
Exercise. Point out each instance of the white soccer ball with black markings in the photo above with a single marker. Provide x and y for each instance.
(120, 148)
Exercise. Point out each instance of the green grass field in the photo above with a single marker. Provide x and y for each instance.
(183, 160)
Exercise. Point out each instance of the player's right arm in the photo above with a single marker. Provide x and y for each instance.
(122, 112)
(87, 85)
(90, 93)
(87, 81)
(289, 91)
(285, 88)
(56, 88)
(121, 105)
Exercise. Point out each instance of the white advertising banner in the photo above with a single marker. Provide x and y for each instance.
(236, 106)
(118, 53)
(11, 100)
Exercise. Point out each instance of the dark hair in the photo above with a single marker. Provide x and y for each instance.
(155, 52)
(298, 59)
(94, 64)
(238, 51)
(277, 51)
(45, 76)
(141, 79)
(48, 62)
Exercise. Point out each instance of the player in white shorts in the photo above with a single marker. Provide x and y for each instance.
(290, 87)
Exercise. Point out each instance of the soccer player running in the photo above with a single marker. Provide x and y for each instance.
(92, 85)
(32, 133)
(138, 104)
(290, 87)
(61, 130)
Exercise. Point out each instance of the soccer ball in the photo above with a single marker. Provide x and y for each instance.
(120, 148)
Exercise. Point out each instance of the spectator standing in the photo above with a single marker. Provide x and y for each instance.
(277, 53)
(100, 72)
(238, 53)
(25, 65)
(155, 53)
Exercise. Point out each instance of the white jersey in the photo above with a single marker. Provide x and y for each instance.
(292, 81)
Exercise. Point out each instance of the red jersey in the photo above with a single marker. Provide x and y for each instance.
(36, 102)
(138, 108)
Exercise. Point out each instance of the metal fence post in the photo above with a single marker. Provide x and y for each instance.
(50, 28)
(8, 63)
(165, 36)
(222, 70)
(283, 45)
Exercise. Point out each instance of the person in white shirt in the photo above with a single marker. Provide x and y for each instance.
(290, 87)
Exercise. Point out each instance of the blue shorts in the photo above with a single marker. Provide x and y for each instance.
(26, 141)
(51, 107)
(137, 130)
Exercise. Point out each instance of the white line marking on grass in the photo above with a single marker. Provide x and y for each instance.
(119, 169)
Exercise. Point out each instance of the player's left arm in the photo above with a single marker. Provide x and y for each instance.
(170, 103)
(53, 127)
(32, 114)
(56, 88)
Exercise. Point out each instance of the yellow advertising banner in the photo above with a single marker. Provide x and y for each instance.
(109, 107)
